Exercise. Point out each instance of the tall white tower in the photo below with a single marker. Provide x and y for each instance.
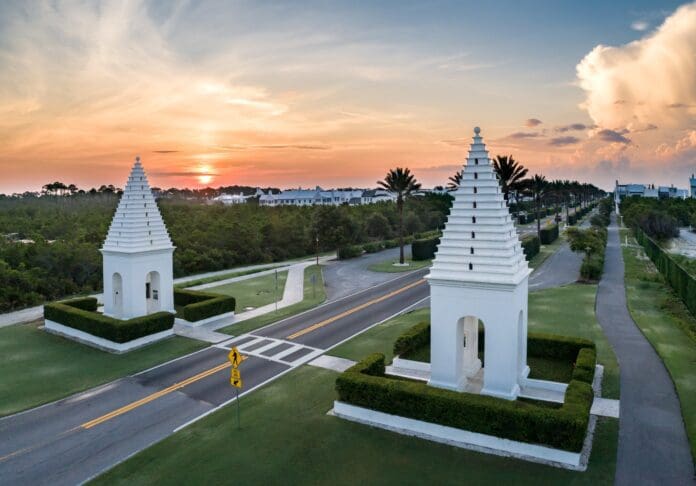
(479, 273)
(138, 268)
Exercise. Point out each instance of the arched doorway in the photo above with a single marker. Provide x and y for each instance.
(117, 294)
(152, 290)
(470, 341)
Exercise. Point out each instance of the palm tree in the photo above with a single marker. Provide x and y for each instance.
(510, 173)
(402, 183)
(455, 180)
(537, 189)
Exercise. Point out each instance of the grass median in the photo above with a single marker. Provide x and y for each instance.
(38, 367)
(255, 291)
(314, 294)
(391, 265)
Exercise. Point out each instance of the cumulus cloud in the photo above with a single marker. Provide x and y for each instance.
(639, 81)
(562, 141)
(684, 144)
(607, 135)
(524, 135)
(572, 126)
(532, 122)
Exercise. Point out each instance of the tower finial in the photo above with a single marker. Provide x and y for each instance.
(137, 158)
(477, 130)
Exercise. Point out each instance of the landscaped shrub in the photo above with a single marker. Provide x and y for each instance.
(549, 234)
(119, 331)
(414, 338)
(585, 365)
(572, 219)
(202, 305)
(84, 303)
(372, 247)
(350, 251)
(557, 347)
(592, 268)
(390, 243)
(365, 385)
(424, 249)
(530, 246)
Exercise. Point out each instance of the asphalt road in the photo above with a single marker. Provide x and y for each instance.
(653, 447)
(74, 439)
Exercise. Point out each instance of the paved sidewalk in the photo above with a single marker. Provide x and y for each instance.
(653, 448)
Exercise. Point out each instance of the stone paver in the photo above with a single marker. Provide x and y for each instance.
(605, 407)
(332, 363)
(653, 448)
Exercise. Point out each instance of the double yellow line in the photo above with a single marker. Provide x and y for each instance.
(358, 308)
(154, 396)
(212, 371)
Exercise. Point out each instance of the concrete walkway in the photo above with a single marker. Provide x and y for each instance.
(653, 448)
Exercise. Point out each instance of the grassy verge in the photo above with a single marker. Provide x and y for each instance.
(546, 251)
(667, 324)
(38, 367)
(287, 438)
(314, 295)
(225, 276)
(254, 292)
(389, 267)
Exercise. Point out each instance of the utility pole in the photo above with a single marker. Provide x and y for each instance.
(317, 247)
(275, 292)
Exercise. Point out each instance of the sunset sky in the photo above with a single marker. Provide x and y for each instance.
(335, 93)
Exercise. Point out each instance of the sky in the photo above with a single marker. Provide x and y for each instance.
(291, 94)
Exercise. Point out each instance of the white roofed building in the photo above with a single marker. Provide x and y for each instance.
(138, 267)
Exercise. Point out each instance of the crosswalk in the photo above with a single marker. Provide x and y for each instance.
(278, 350)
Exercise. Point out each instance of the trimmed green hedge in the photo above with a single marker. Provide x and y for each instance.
(424, 249)
(350, 251)
(677, 277)
(549, 234)
(531, 246)
(201, 305)
(372, 247)
(84, 303)
(585, 365)
(365, 385)
(413, 338)
(116, 330)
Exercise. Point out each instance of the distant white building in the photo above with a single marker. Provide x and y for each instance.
(321, 197)
(649, 190)
(228, 199)
(138, 268)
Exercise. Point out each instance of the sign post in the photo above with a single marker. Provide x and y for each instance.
(275, 292)
(236, 359)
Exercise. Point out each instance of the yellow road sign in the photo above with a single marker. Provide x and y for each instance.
(235, 357)
(236, 378)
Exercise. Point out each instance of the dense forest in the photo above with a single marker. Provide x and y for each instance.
(659, 218)
(49, 245)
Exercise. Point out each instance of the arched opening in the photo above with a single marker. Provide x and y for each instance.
(117, 293)
(152, 291)
(472, 341)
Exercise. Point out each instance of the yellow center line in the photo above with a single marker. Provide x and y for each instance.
(154, 396)
(360, 307)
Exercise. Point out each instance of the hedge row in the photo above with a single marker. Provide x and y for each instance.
(201, 305)
(524, 218)
(350, 251)
(414, 338)
(365, 385)
(549, 234)
(75, 314)
(531, 246)
(424, 249)
(585, 365)
(677, 277)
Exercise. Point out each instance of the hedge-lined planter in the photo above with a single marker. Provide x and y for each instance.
(80, 315)
(365, 385)
(198, 306)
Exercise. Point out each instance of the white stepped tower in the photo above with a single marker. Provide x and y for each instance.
(138, 268)
(479, 272)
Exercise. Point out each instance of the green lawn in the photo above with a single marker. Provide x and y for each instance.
(668, 325)
(38, 367)
(254, 292)
(314, 295)
(389, 267)
(287, 438)
(217, 278)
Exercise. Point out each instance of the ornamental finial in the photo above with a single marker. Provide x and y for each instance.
(477, 130)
